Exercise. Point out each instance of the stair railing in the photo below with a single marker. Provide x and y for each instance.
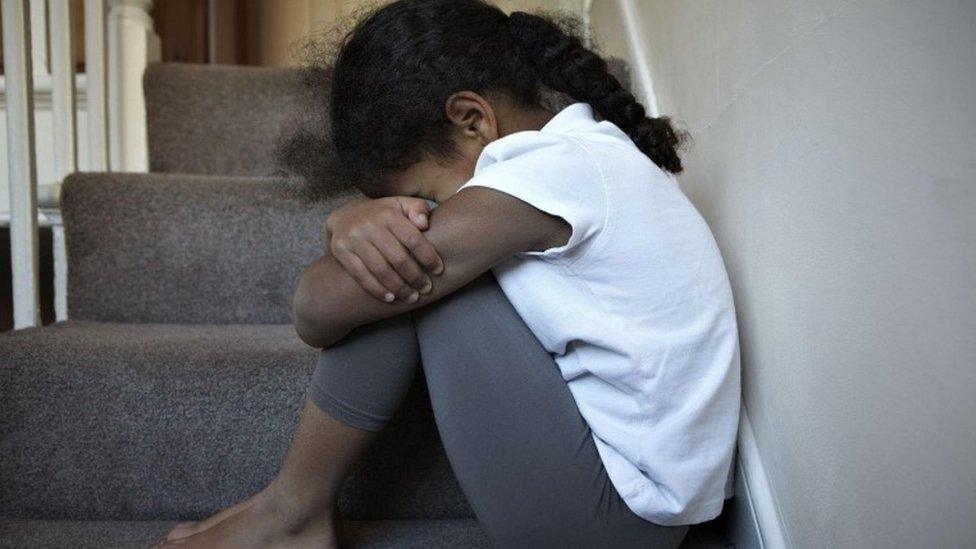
(119, 42)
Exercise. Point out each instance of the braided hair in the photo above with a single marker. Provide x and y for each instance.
(399, 64)
(564, 64)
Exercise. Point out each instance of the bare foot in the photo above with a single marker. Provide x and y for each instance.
(271, 520)
(186, 529)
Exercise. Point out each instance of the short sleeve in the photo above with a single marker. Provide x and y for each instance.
(556, 175)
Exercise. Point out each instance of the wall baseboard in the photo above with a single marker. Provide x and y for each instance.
(755, 523)
(741, 523)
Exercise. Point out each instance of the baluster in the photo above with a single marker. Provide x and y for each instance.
(21, 162)
(38, 33)
(62, 88)
(65, 135)
(96, 83)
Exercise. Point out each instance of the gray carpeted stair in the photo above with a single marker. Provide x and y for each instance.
(228, 120)
(173, 390)
(117, 421)
(380, 534)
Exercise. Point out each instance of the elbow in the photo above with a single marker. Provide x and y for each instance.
(312, 314)
(309, 330)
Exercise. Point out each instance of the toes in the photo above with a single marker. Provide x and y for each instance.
(164, 543)
(177, 531)
(181, 529)
(159, 543)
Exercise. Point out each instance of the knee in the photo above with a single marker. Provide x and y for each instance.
(482, 293)
(386, 339)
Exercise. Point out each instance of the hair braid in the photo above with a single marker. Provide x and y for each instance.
(564, 64)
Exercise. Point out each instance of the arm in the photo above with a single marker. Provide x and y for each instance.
(473, 231)
(382, 245)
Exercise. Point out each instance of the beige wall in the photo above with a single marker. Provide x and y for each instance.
(276, 24)
(835, 159)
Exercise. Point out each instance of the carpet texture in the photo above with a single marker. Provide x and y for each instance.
(175, 248)
(390, 534)
(229, 120)
(106, 421)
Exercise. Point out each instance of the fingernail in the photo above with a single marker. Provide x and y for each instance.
(427, 287)
(389, 297)
(439, 269)
(423, 218)
(412, 298)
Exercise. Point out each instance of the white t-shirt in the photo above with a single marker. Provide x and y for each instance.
(636, 309)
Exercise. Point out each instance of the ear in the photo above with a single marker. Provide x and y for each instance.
(472, 116)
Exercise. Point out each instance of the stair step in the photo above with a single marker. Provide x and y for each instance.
(110, 421)
(229, 120)
(382, 534)
(187, 249)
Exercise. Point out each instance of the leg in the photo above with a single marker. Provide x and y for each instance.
(345, 407)
(513, 434)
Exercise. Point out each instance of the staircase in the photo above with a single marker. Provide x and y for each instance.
(173, 390)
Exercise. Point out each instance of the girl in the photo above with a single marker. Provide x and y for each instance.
(590, 396)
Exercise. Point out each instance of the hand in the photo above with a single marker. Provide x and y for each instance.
(380, 243)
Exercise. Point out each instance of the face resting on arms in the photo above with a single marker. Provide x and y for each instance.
(389, 245)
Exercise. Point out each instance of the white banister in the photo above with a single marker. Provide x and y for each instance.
(60, 272)
(119, 43)
(129, 24)
(62, 61)
(38, 32)
(20, 162)
(97, 82)
(62, 88)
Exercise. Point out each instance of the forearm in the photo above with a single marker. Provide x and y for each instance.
(329, 302)
(315, 317)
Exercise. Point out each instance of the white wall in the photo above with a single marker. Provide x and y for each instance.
(835, 159)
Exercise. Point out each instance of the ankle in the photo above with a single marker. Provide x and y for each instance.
(293, 510)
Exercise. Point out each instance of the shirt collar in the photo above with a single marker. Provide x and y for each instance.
(572, 117)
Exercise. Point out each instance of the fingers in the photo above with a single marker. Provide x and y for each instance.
(398, 257)
(419, 247)
(380, 268)
(385, 250)
(417, 210)
(360, 273)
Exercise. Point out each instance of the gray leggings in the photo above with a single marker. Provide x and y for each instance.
(523, 455)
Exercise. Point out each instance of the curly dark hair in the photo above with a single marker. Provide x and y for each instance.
(395, 69)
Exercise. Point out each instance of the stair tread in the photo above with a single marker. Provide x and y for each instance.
(380, 534)
(151, 421)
